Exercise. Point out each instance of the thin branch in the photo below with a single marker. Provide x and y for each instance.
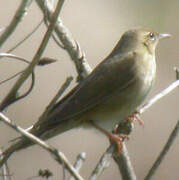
(20, 13)
(42, 61)
(12, 94)
(103, 163)
(11, 77)
(159, 96)
(33, 77)
(124, 164)
(163, 153)
(26, 37)
(71, 46)
(79, 163)
(57, 155)
(12, 56)
(5, 169)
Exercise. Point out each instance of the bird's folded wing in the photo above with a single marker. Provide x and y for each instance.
(110, 76)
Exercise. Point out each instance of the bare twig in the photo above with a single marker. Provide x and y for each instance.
(20, 13)
(14, 57)
(79, 162)
(103, 163)
(57, 155)
(159, 96)
(25, 38)
(13, 92)
(163, 153)
(42, 62)
(71, 46)
(11, 77)
(4, 170)
(124, 164)
(33, 76)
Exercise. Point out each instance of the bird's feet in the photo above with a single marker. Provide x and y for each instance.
(118, 141)
(135, 116)
(114, 137)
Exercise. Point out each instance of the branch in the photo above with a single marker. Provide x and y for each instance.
(25, 38)
(71, 46)
(5, 169)
(163, 153)
(159, 96)
(13, 92)
(124, 164)
(20, 13)
(57, 155)
(103, 163)
(79, 162)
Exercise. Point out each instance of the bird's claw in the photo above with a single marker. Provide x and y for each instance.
(135, 117)
(118, 141)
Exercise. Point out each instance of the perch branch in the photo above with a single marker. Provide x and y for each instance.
(159, 96)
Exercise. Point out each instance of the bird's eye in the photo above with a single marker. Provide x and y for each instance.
(152, 36)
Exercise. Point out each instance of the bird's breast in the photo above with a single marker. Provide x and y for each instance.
(126, 101)
(149, 70)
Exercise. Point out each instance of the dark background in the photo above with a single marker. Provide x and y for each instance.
(97, 25)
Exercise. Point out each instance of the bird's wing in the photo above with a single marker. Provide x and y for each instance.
(108, 77)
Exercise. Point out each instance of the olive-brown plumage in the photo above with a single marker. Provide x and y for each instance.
(115, 88)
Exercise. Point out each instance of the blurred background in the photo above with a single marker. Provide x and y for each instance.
(97, 25)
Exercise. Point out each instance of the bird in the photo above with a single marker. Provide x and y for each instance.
(108, 95)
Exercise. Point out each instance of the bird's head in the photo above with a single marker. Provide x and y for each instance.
(141, 38)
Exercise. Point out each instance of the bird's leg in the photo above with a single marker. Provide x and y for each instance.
(113, 138)
(135, 116)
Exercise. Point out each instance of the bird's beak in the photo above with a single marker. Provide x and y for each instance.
(163, 36)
